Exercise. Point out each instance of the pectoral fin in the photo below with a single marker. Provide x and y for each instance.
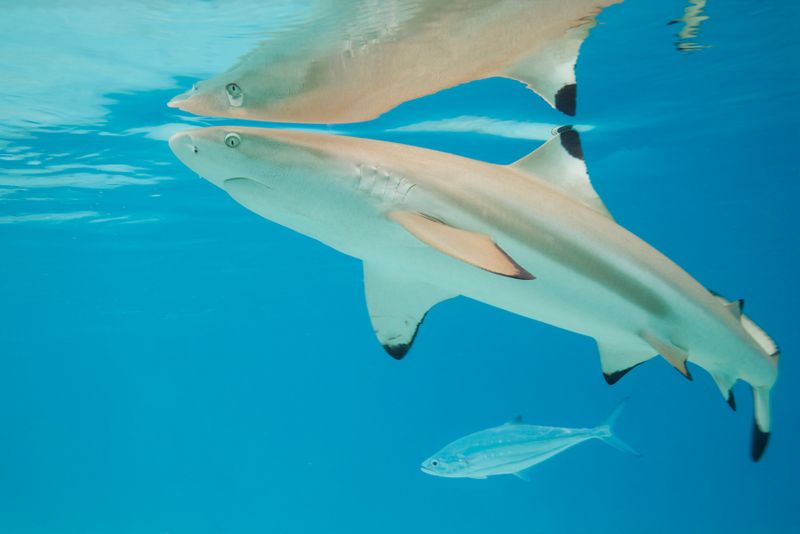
(470, 247)
(397, 305)
(675, 355)
(525, 474)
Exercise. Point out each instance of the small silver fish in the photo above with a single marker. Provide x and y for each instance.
(514, 448)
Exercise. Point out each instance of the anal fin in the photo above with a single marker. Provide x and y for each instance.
(725, 385)
(397, 306)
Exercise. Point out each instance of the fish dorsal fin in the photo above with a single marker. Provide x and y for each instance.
(397, 305)
(516, 421)
(736, 307)
(550, 71)
(676, 356)
(471, 247)
(559, 162)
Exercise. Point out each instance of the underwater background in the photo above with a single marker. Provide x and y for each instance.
(173, 363)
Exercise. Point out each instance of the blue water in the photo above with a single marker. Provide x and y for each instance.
(172, 363)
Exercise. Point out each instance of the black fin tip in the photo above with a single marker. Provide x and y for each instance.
(731, 400)
(613, 378)
(760, 440)
(566, 98)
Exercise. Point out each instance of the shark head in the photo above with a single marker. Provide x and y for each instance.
(210, 98)
(445, 464)
(269, 172)
(231, 94)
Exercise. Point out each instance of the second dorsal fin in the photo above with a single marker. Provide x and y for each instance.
(559, 162)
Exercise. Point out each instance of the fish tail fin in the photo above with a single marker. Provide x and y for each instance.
(605, 431)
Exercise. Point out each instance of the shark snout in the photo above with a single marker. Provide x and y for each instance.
(183, 145)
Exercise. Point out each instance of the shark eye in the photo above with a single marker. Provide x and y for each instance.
(233, 140)
(434, 463)
(234, 94)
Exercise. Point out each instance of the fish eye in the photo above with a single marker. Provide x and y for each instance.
(233, 89)
(235, 95)
(233, 140)
(434, 463)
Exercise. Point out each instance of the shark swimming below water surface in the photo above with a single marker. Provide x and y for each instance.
(532, 238)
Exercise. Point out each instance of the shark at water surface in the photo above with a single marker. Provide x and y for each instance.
(532, 238)
(353, 60)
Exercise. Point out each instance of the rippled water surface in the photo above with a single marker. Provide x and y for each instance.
(173, 363)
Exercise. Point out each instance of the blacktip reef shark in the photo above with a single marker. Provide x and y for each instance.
(532, 238)
(354, 60)
(514, 448)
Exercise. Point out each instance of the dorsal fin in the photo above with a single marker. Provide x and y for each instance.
(559, 162)
(550, 71)
(516, 421)
(736, 307)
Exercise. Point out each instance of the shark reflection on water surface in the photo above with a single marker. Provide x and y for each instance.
(352, 61)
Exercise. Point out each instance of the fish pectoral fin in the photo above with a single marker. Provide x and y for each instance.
(617, 358)
(397, 305)
(559, 162)
(550, 71)
(470, 247)
(525, 474)
(676, 356)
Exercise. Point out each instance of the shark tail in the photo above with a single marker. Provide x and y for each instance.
(605, 431)
(761, 422)
(761, 408)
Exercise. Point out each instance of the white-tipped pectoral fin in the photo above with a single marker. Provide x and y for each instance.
(397, 305)
(470, 247)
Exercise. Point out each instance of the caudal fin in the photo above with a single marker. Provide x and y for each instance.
(605, 431)
(761, 422)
